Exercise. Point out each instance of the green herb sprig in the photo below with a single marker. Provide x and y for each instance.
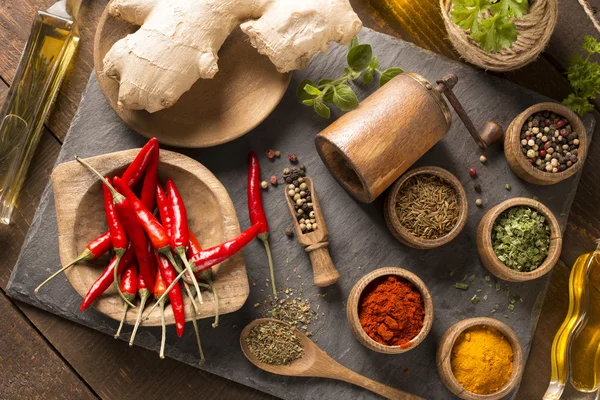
(361, 62)
(488, 21)
(584, 76)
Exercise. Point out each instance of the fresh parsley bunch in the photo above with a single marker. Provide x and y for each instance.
(335, 91)
(584, 76)
(488, 21)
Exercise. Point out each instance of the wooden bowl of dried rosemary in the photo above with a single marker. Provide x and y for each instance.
(519, 240)
(426, 207)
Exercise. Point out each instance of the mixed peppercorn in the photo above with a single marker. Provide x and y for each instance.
(299, 191)
(549, 142)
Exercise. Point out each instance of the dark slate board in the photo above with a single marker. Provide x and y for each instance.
(359, 237)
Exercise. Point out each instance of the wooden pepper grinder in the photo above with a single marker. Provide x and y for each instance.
(315, 242)
(368, 148)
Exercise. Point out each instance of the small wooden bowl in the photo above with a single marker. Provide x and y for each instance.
(354, 299)
(401, 233)
(210, 211)
(489, 258)
(445, 350)
(518, 162)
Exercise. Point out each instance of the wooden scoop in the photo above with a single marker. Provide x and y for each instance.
(315, 242)
(316, 363)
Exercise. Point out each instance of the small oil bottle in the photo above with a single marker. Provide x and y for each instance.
(576, 346)
(52, 42)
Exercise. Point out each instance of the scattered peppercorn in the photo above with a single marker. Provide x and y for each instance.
(270, 154)
(264, 185)
(478, 203)
(273, 180)
(473, 172)
(483, 159)
(277, 153)
(286, 171)
(507, 186)
(293, 158)
(477, 188)
(302, 167)
(289, 232)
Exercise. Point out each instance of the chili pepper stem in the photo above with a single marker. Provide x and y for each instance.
(117, 197)
(119, 253)
(171, 286)
(200, 350)
(264, 237)
(86, 255)
(125, 308)
(207, 276)
(188, 268)
(164, 329)
(144, 294)
(181, 253)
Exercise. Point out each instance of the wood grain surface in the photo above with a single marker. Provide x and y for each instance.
(112, 370)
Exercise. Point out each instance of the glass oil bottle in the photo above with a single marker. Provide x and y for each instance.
(51, 45)
(576, 347)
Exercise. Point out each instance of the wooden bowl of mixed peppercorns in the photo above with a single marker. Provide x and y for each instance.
(519, 240)
(546, 144)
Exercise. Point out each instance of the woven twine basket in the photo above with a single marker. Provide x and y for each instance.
(534, 31)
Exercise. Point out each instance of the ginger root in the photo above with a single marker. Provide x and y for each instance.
(178, 41)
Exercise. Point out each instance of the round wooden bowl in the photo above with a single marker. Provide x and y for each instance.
(352, 310)
(401, 233)
(444, 358)
(489, 258)
(517, 160)
(213, 111)
(210, 211)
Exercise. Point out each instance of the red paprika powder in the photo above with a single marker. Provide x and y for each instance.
(391, 311)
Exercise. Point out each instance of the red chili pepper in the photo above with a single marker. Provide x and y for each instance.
(163, 208)
(207, 275)
(94, 249)
(150, 180)
(257, 212)
(180, 238)
(159, 289)
(107, 277)
(128, 286)
(116, 229)
(155, 231)
(134, 172)
(168, 275)
(144, 293)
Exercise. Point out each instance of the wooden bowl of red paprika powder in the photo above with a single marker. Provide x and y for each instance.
(390, 310)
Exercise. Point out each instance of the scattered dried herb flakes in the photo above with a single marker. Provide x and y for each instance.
(292, 310)
(427, 206)
(274, 343)
(521, 238)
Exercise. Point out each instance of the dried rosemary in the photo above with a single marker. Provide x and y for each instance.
(427, 206)
(274, 343)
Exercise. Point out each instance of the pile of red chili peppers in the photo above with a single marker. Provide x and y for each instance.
(143, 245)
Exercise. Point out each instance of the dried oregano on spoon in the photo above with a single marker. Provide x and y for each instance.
(335, 91)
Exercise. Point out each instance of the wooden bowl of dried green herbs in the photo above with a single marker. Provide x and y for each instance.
(426, 207)
(519, 240)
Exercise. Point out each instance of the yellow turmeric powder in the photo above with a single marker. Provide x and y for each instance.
(482, 360)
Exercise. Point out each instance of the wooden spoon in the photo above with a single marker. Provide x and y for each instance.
(316, 363)
(315, 242)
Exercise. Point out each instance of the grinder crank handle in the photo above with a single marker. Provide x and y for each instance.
(324, 271)
(490, 133)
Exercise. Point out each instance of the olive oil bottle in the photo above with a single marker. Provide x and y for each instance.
(576, 347)
(52, 42)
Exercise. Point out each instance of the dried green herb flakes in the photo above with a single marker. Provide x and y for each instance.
(521, 238)
(274, 343)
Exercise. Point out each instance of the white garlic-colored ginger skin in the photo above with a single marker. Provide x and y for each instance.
(178, 41)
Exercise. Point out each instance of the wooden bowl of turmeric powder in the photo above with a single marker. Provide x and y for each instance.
(480, 359)
(390, 310)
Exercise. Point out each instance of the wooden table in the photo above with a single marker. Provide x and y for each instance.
(49, 357)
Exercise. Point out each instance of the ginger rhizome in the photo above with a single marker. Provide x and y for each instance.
(178, 41)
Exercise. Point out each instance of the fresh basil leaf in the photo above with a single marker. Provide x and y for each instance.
(301, 94)
(344, 97)
(359, 57)
(308, 102)
(310, 89)
(374, 63)
(353, 42)
(322, 109)
(388, 74)
(368, 77)
(325, 81)
(328, 96)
